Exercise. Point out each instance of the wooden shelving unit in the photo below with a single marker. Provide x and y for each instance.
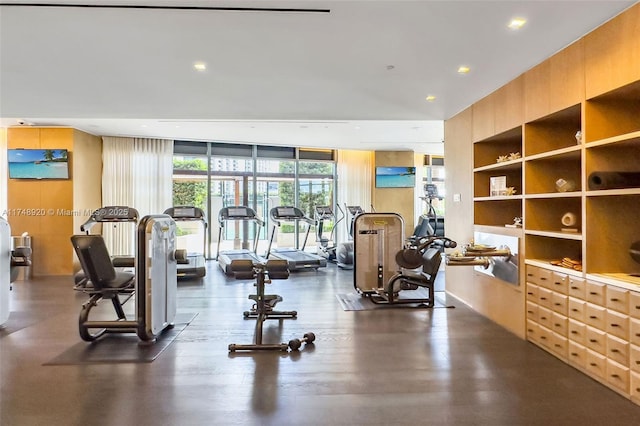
(581, 115)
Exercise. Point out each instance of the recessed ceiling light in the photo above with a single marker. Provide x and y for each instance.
(517, 23)
(463, 69)
(390, 67)
(200, 66)
(430, 98)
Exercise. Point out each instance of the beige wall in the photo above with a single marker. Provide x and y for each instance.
(395, 200)
(46, 208)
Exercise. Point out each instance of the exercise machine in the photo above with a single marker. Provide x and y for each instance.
(377, 239)
(419, 264)
(344, 253)
(433, 220)
(113, 215)
(194, 263)
(154, 282)
(10, 261)
(244, 215)
(327, 246)
(297, 259)
(264, 304)
(385, 265)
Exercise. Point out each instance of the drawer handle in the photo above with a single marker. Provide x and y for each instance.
(593, 340)
(543, 279)
(543, 318)
(638, 362)
(557, 345)
(574, 354)
(594, 293)
(574, 310)
(574, 332)
(615, 325)
(543, 337)
(615, 351)
(615, 299)
(558, 304)
(593, 364)
(615, 376)
(637, 334)
(574, 288)
(593, 317)
(543, 298)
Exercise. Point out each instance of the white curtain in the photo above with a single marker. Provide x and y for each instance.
(355, 170)
(136, 173)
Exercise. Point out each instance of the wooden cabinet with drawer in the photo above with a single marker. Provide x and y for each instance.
(577, 309)
(618, 350)
(617, 324)
(595, 316)
(617, 376)
(559, 283)
(595, 293)
(617, 299)
(577, 287)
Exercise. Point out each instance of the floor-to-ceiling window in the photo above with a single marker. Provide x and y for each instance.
(214, 175)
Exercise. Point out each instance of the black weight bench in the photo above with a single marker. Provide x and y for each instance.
(263, 309)
(107, 284)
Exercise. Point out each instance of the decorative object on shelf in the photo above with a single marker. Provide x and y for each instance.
(613, 180)
(517, 223)
(567, 262)
(514, 156)
(565, 185)
(510, 190)
(579, 137)
(510, 157)
(569, 221)
(497, 186)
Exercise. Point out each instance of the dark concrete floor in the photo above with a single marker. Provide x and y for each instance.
(377, 367)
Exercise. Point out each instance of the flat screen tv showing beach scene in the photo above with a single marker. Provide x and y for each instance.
(38, 163)
(395, 177)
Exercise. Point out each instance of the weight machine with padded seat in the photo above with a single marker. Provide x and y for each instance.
(153, 286)
(424, 254)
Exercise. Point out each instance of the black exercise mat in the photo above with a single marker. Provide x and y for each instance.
(121, 348)
(17, 321)
(359, 302)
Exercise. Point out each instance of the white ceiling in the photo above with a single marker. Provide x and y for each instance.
(353, 77)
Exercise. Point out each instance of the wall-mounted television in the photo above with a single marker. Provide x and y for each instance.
(38, 163)
(395, 177)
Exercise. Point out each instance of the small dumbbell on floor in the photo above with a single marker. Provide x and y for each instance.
(296, 343)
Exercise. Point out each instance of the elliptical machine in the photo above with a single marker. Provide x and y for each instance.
(345, 251)
(326, 246)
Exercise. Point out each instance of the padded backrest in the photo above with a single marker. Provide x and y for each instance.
(94, 259)
(431, 260)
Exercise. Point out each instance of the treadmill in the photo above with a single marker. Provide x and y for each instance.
(238, 214)
(193, 266)
(297, 259)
